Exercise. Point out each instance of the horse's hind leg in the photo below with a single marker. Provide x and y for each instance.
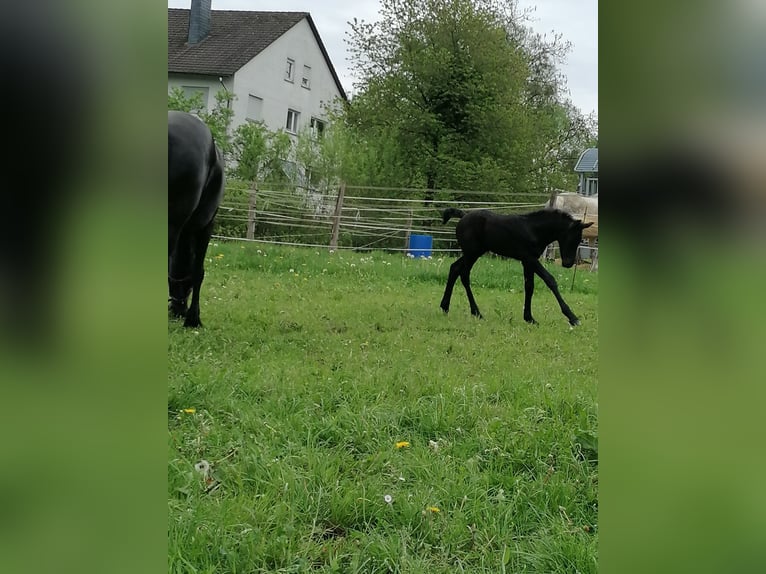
(199, 246)
(454, 273)
(180, 270)
(465, 277)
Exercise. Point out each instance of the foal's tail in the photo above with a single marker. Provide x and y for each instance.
(451, 212)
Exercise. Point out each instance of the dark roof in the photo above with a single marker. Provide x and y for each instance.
(235, 38)
(588, 161)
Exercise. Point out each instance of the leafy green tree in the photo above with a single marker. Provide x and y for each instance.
(308, 158)
(178, 100)
(334, 156)
(460, 94)
(218, 119)
(250, 145)
(278, 166)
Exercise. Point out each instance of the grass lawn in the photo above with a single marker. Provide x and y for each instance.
(351, 426)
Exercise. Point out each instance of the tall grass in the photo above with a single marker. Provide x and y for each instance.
(312, 372)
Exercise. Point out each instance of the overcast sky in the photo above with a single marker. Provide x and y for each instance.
(576, 20)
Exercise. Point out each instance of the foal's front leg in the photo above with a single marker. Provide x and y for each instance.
(550, 281)
(529, 289)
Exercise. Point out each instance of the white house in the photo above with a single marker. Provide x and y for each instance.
(274, 63)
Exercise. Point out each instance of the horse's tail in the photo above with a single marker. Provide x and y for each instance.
(451, 212)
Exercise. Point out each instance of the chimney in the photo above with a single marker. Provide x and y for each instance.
(199, 21)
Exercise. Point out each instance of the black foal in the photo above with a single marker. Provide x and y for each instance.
(523, 237)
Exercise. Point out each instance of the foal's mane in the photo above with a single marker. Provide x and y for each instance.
(550, 214)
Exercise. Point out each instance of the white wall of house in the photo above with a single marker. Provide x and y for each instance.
(209, 85)
(264, 77)
(261, 89)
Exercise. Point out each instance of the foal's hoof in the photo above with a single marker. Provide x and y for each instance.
(531, 321)
(445, 310)
(574, 322)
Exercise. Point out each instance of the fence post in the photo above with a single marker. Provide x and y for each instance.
(251, 212)
(408, 232)
(336, 217)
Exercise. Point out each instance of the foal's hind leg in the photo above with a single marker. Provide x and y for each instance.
(454, 273)
(465, 277)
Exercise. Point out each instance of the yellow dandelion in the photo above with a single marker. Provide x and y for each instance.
(433, 509)
(402, 444)
(190, 411)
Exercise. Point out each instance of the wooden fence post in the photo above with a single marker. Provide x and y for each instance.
(336, 217)
(251, 212)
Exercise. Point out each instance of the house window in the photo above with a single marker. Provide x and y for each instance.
(191, 91)
(290, 70)
(591, 186)
(317, 128)
(292, 121)
(254, 108)
(306, 79)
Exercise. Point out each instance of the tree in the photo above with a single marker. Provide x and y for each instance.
(250, 145)
(469, 97)
(218, 119)
(179, 101)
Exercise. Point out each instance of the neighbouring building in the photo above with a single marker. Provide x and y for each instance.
(274, 63)
(587, 170)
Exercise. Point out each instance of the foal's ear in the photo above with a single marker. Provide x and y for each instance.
(585, 225)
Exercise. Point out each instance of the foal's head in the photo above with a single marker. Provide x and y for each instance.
(570, 238)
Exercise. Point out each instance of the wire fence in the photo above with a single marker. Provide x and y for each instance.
(358, 218)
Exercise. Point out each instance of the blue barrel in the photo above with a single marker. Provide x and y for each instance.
(420, 245)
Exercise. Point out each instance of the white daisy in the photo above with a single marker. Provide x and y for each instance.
(203, 467)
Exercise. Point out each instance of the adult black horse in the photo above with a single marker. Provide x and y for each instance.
(195, 190)
(522, 237)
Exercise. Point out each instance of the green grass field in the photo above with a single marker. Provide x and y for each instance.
(313, 368)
